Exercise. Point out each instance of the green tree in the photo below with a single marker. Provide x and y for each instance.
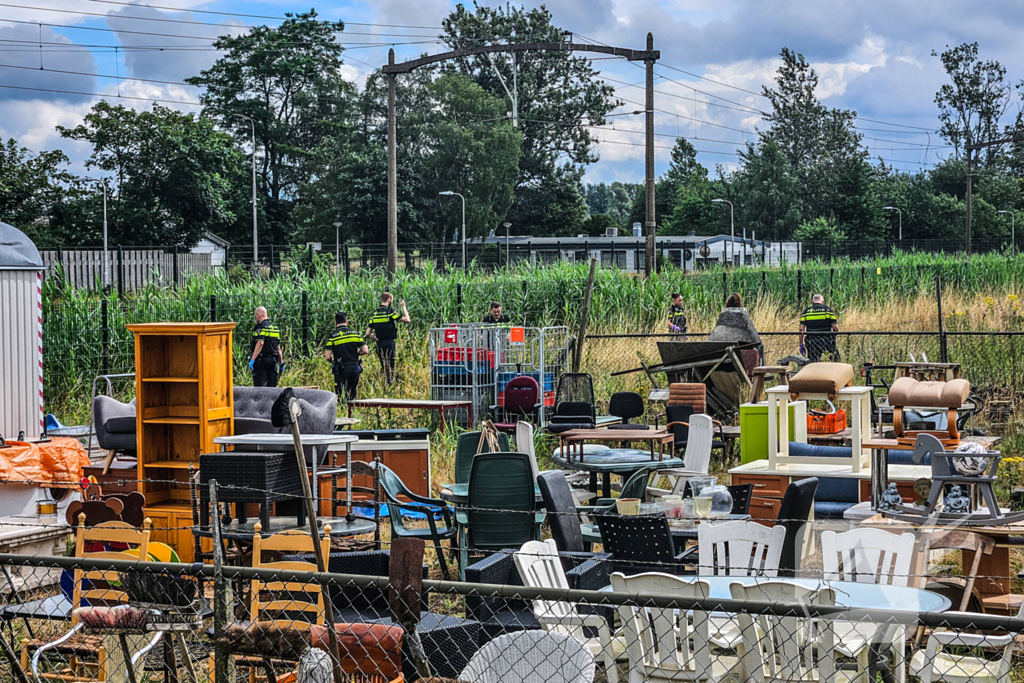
(683, 167)
(286, 79)
(35, 193)
(613, 199)
(768, 204)
(559, 94)
(821, 229)
(171, 173)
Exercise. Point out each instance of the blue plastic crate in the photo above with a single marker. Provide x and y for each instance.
(505, 377)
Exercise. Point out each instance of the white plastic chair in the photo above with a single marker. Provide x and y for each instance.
(737, 549)
(696, 460)
(868, 556)
(661, 643)
(524, 444)
(934, 663)
(782, 648)
(540, 567)
(531, 657)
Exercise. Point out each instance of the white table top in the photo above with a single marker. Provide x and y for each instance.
(896, 472)
(844, 393)
(284, 439)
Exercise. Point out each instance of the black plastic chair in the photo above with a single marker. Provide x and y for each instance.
(794, 512)
(741, 494)
(560, 505)
(641, 544)
(626, 405)
(574, 403)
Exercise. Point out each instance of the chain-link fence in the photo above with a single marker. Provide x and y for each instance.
(664, 598)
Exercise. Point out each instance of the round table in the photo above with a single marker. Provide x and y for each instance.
(620, 461)
(340, 528)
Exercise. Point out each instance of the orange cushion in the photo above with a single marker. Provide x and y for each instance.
(364, 648)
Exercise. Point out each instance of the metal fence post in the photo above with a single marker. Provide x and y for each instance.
(764, 280)
(862, 282)
(725, 287)
(305, 322)
(105, 338)
(458, 302)
(943, 349)
(175, 269)
(213, 308)
(223, 610)
(227, 252)
(799, 287)
(348, 269)
(120, 272)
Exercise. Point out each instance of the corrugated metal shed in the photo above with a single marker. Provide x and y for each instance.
(21, 364)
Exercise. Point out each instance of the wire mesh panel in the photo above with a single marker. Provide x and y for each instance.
(463, 365)
(540, 353)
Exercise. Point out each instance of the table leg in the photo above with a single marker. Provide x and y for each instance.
(593, 483)
(879, 475)
(316, 483)
(606, 484)
(170, 662)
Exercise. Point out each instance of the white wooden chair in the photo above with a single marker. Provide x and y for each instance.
(662, 644)
(782, 648)
(737, 549)
(934, 663)
(540, 567)
(531, 657)
(868, 556)
(696, 460)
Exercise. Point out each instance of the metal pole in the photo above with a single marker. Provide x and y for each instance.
(255, 232)
(649, 219)
(392, 173)
(943, 350)
(967, 233)
(106, 272)
(465, 263)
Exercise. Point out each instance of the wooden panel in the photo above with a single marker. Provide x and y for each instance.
(765, 510)
(906, 489)
(172, 524)
(411, 468)
(764, 485)
(217, 388)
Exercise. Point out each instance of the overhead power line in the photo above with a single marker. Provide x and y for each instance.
(96, 94)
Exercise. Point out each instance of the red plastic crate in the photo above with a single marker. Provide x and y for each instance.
(458, 354)
(829, 423)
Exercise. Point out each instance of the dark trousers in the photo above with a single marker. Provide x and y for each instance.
(346, 379)
(386, 354)
(821, 345)
(264, 372)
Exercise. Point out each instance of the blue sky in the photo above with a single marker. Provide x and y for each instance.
(872, 56)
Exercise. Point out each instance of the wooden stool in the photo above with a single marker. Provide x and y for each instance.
(760, 373)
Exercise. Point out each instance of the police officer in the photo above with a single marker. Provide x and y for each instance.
(345, 349)
(265, 351)
(495, 317)
(383, 330)
(676, 316)
(819, 320)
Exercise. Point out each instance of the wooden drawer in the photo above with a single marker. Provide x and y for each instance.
(764, 485)
(765, 510)
(906, 489)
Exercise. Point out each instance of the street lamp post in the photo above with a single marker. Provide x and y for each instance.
(449, 193)
(105, 276)
(732, 230)
(900, 213)
(337, 245)
(507, 226)
(1013, 231)
(255, 239)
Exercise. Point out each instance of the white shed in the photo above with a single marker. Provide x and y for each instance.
(21, 319)
(215, 246)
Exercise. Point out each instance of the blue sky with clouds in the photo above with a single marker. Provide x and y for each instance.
(872, 56)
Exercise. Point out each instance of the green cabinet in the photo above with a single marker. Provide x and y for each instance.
(754, 428)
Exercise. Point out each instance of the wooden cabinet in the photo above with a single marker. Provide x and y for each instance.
(184, 399)
(410, 460)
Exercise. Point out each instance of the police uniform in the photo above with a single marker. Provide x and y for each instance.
(384, 325)
(344, 345)
(818, 319)
(677, 317)
(503, 319)
(264, 369)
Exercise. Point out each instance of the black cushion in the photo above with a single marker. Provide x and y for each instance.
(578, 408)
(121, 425)
(794, 511)
(679, 413)
(626, 404)
(561, 511)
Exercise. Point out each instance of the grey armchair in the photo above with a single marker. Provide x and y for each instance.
(252, 412)
(115, 424)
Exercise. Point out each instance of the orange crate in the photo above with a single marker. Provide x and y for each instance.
(829, 423)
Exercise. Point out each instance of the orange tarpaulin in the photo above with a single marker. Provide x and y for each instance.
(56, 463)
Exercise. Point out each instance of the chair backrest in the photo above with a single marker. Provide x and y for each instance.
(288, 597)
(526, 656)
(560, 505)
(524, 444)
(698, 443)
(691, 394)
(782, 648)
(465, 451)
(741, 494)
(501, 501)
(795, 510)
(521, 396)
(100, 587)
(636, 485)
(574, 387)
(867, 556)
(626, 404)
(637, 544)
(679, 413)
(394, 490)
(540, 567)
(739, 548)
(660, 644)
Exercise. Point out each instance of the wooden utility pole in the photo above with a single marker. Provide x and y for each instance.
(392, 173)
(649, 219)
(581, 334)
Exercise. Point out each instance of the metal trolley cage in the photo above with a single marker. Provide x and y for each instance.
(538, 352)
(473, 362)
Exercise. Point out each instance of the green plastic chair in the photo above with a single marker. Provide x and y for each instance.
(433, 509)
(502, 502)
(465, 451)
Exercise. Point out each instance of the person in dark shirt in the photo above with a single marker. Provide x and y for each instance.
(265, 351)
(495, 316)
(345, 349)
(383, 331)
(676, 316)
(821, 323)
